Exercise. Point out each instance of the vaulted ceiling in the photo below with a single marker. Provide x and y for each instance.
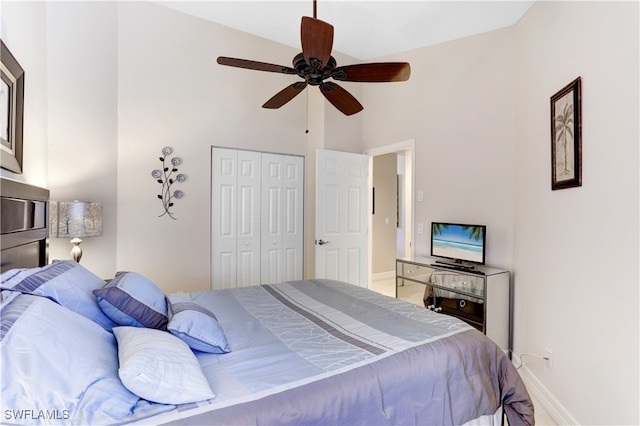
(363, 29)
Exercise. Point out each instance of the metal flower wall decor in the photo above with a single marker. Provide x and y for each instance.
(164, 177)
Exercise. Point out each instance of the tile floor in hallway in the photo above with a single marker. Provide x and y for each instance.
(413, 293)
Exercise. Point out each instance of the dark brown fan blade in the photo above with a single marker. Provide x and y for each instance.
(340, 98)
(254, 65)
(317, 40)
(383, 72)
(285, 95)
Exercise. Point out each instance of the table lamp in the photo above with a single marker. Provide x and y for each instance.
(75, 220)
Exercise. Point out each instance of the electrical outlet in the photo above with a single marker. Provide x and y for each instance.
(548, 358)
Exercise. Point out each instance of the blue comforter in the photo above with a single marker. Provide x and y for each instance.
(326, 352)
(303, 352)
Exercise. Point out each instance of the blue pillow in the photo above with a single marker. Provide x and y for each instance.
(55, 359)
(131, 299)
(196, 326)
(66, 282)
(8, 278)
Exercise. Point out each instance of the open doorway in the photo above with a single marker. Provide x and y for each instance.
(392, 218)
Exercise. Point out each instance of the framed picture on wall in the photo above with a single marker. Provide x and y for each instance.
(11, 110)
(566, 137)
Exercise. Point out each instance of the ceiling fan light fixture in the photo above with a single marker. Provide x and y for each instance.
(315, 65)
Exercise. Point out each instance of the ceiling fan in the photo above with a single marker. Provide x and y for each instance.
(315, 65)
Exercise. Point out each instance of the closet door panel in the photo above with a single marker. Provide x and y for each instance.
(224, 190)
(271, 266)
(248, 209)
(293, 223)
(226, 270)
(271, 218)
(292, 264)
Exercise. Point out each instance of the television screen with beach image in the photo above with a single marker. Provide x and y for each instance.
(458, 242)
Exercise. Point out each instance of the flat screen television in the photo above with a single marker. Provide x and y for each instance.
(459, 242)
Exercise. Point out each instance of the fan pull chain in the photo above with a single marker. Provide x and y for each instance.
(307, 131)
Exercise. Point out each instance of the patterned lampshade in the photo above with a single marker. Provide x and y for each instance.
(75, 219)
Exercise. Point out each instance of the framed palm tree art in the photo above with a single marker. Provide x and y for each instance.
(566, 137)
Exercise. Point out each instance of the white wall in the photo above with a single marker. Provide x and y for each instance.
(458, 106)
(81, 101)
(109, 84)
(479, 111)
(172, 92)
(67, 52)
(23, 30)
(576, 250)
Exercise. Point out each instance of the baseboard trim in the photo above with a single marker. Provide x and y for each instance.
(544, 397)
(383, 275)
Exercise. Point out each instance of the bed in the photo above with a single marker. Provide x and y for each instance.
(79, 350)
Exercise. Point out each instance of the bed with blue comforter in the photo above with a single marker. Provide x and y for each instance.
(79, 350)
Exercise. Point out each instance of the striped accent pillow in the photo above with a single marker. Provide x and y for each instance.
(196, 326)
(13, 311)
(133, 300)
(66, 282)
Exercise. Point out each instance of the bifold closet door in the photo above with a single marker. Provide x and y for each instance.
(282, 224)
(256, 218)
(235, 218)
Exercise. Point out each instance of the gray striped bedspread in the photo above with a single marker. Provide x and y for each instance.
(330, 353)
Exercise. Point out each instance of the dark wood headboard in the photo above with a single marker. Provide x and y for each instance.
(24, 225)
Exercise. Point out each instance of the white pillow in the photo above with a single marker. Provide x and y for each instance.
(159, 367)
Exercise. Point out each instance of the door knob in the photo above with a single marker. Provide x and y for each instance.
(322, 242)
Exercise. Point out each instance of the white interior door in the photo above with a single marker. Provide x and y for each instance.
(342, 216)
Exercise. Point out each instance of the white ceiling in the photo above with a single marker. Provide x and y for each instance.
(363, 29)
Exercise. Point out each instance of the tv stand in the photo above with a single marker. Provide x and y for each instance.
(458, 266)
(476, 294)
(469, 269)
